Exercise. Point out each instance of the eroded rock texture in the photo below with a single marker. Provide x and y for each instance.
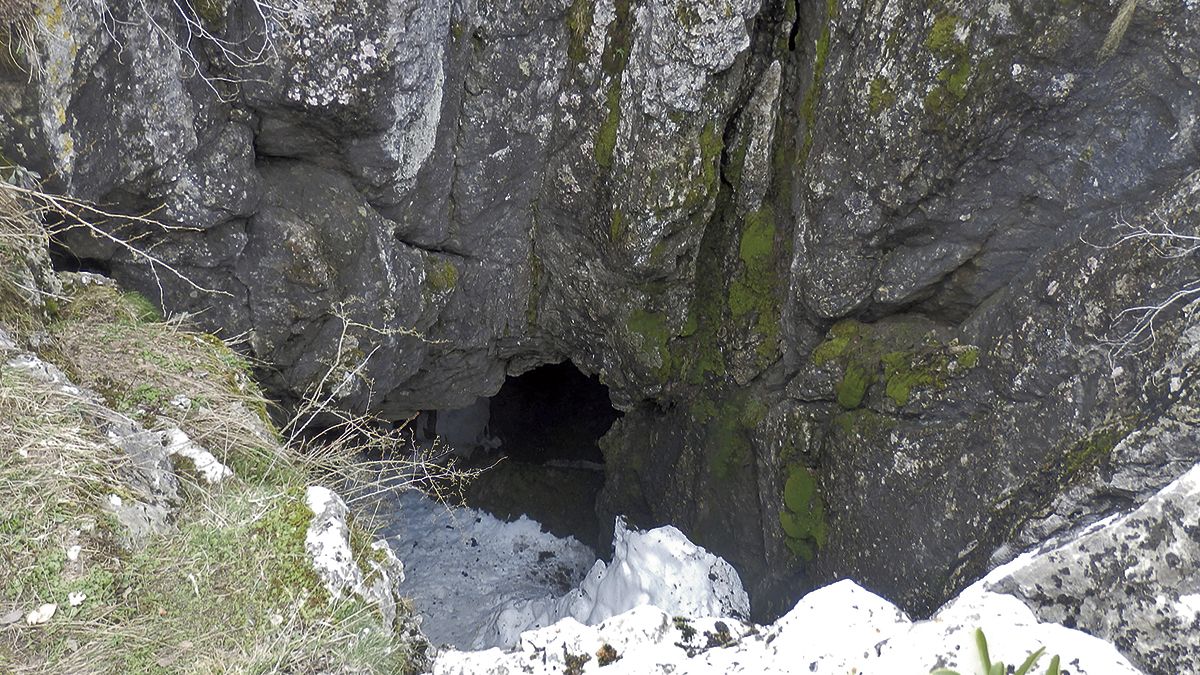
(844, 265)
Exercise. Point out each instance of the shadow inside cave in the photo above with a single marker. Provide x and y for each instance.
(538, 439)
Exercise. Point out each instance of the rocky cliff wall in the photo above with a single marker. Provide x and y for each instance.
(841, 263)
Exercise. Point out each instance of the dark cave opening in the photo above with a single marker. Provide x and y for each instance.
(64, 259)
(538, 439)
(554, 413)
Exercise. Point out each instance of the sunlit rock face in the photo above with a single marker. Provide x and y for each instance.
(846, 267)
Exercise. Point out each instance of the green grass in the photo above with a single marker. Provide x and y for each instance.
(112, 342)
(229, 588)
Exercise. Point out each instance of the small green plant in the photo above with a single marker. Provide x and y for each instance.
(999, 668)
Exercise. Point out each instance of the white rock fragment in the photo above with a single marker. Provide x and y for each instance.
(41, 615)
(211, 470)
(73, 552)
(327, 542)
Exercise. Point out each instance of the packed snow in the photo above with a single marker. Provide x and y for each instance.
(653, 610)
(660, 568)
(837, 629)
(463, 567)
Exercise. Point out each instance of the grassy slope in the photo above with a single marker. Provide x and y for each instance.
(230, 589)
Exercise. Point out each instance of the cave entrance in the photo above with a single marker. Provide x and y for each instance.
(544, 426)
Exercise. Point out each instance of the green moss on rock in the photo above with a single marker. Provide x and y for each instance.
(967, 358)
(1096, 448)
(579, 24)
(727, 429)
(802, 517)
(881, 97)
(837, 342)
(606, 136)
(652, 327)
(852, 388)
(753, 290)
(952, 79)
(711, 145)
(616, 228)
(441, 276)
(943, 36)
(808, 109)
(903, 354)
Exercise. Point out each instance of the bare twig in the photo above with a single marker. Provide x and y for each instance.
(83, 215)
(1135, 327)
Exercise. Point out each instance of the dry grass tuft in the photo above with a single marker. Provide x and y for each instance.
(231, 588)
(1116, 31)
(13, 12)
(55, 467)
(164, 375)
(17, 25)
(26, 287)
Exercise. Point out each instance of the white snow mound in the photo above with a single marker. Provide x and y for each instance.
(840, 628)
(659, 568)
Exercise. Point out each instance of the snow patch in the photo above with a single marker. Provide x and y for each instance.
(660, 567)
(464, 567)
(836, 629)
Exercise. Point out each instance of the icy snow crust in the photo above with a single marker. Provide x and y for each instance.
(660, 568)
(463, 566)
(841, 628)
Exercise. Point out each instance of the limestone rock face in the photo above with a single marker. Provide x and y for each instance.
(1132, 582)
(848, 267)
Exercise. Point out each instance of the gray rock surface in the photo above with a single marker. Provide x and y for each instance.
(1134, 581)
(686, 199)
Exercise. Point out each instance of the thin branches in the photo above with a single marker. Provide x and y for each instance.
(1141, 334)
(367, 455)
(78, 214)
(1134, 328)
(183, 24)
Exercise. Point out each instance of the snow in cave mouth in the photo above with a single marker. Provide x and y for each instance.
(529, 528)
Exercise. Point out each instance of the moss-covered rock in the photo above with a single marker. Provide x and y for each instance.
(905, 355)
(803, 514)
